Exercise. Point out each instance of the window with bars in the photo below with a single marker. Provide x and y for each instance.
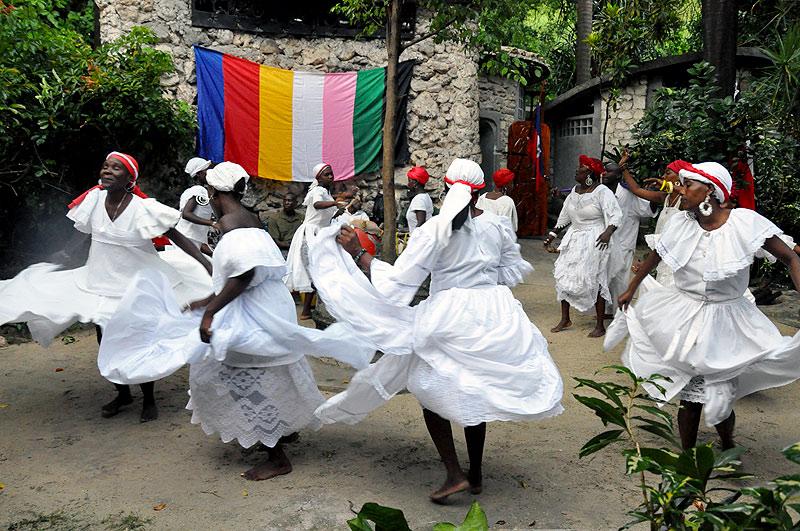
(576, 126)
(299, 18)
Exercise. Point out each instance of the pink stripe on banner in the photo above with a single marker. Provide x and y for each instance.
(338, 102)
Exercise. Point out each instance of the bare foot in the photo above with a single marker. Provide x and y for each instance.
(599, 331)
(112, 408)
(562, 325)
(449, 488)
(149, 412)
(305, 316)
(475, 482)
(267, 470)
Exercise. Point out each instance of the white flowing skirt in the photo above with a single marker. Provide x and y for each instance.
(150, 338)
(253, 404)
(582, 271)
(50, 299)
(475, 357)
(731, 344)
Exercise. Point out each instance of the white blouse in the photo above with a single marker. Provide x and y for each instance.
(502, 206)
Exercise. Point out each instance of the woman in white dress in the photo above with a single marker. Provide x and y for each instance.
(498, 202)
(420, 209)
(585, 265)
(468, 353)
(717, 346)
(321, 208)
(195, 210)
(121, 221)
(249, 378)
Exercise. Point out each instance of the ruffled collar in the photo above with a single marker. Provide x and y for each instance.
(731, 248)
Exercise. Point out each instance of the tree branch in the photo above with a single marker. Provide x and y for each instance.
(428, 35)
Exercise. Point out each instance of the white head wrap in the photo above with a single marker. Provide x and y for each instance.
(225, 175)
(196, 165)
(464, 176)
(715, 175)
(315, 171)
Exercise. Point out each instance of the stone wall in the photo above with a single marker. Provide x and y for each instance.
(443, 111)
(630, 109)
(503, 98)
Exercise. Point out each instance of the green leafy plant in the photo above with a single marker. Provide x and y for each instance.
(686, 491)
(390, 519)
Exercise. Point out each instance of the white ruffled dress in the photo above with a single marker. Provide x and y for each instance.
(502, 206)
(582, 270)
(252, 383)
(50, 299)
(298, 278)
(468, 352)
(195, 232)
(703, 329)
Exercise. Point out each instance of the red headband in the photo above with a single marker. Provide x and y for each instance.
(678, 165)
(129, 162)
(474, 186)
(595, 165)
(502, 177)
(419, 174)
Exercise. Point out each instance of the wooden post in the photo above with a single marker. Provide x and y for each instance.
(388, 252)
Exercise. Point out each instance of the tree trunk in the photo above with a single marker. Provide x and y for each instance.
(719, 41)
(583, 27)
(387, 171)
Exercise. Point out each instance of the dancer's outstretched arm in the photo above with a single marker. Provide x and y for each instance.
(645, 267)
(777, 248)
(184, 243)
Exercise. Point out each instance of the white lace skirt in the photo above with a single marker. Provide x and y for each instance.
(253, 404)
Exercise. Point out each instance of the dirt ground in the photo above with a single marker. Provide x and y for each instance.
(62, 466)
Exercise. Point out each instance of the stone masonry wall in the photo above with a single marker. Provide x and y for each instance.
(630, 110)
(443, 112)
(504, 97)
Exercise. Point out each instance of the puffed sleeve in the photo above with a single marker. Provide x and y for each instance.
(612, 213)
(399, 282)
(153, 219)
(513, 268)
(81, 214)
(244, 249)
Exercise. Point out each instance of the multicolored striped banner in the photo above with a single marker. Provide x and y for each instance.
(278, 124)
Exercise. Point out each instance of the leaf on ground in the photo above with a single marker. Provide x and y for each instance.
(245, 493)
(68, 340)
(3, 405)
(160, 507)
(59, 369)
(2, 487)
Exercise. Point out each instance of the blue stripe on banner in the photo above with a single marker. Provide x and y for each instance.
(210, 104)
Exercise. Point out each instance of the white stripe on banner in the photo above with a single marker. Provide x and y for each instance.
(306, 124)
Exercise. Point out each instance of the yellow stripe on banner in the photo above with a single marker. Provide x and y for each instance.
(275, 123)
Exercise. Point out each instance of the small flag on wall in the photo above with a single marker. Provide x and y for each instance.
(279, 123)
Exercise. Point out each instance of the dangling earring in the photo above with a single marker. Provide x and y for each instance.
(131, 185)
(99, 182)
(705, 207)
(589, 181)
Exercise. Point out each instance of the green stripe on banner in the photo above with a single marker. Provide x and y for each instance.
(368, 120)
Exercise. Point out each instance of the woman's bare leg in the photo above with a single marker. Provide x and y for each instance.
(307, 299)
(475, 436)
(599, 315)
(149, 408)
(565, 322)
(689, 423)
(725, 431)
(123, 397)
(442, 434)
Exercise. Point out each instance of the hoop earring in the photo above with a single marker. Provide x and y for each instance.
(705, 207)
(589, 181)
(130, 186)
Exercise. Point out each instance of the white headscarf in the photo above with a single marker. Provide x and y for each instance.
(225, 175)
(712, 173)
(464, 176)
(196, 165)
(316, 171)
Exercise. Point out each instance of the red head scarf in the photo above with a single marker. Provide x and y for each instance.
(502, 177)
(419, 174)
(595, 165)
(678, 165)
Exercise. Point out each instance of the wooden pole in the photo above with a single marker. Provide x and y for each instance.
(387, 172)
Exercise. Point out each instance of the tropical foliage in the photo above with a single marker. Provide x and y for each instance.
(64, 104)
(682, 489)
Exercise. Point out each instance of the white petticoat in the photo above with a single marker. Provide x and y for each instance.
(582, 270)
(252, 404)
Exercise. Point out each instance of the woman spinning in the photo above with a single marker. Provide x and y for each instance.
(583, 267)
(121, 221)
(717, 346)
(249, 378)
(468, 353)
